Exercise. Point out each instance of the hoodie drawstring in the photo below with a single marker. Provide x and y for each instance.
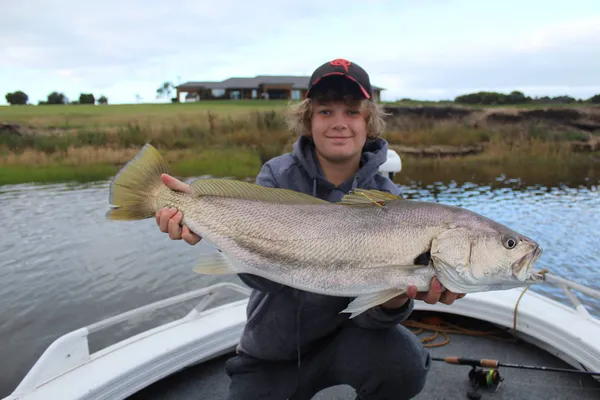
(299, 311)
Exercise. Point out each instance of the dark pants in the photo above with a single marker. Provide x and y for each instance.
(378, 364)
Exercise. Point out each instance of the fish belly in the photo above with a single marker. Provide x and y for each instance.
(327, 249)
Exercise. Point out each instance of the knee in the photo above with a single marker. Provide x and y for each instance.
(399, 380)
(400, 370)
(405, 379)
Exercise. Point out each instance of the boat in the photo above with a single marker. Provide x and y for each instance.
(392, 164)
(510, 344)
(184, 358)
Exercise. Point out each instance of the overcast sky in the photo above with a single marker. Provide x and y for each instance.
(427, 49)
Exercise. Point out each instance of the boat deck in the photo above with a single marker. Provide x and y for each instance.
(448, 382)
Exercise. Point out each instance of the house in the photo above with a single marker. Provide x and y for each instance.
(274, 87)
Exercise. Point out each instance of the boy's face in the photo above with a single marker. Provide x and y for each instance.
(339, 130)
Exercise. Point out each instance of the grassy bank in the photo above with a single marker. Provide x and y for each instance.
(93, 164)
(243, 163)
(85, 143)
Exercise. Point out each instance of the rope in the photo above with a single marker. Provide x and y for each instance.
(542, 272)
(438, 326)
(443, 328)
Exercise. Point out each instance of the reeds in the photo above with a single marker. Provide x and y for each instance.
(237, 142)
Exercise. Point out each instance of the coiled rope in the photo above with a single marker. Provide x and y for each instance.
(439, 327)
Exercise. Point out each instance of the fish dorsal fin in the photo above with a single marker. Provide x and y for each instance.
(368, 197)
(250, 191)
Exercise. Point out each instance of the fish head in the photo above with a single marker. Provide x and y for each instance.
(483, 255)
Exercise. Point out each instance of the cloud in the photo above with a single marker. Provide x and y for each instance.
(555, 60)
(433, 49)
(100, 45)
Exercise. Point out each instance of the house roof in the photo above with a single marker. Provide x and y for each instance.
(297, 82)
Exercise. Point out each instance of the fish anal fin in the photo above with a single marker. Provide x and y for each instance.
(409, 267)
(216, 264)
(364, 302)
(250, 191)
(368, 197)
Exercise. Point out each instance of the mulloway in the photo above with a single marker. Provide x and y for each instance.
(370, 246)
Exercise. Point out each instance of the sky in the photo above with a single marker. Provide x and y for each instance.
(426, 50)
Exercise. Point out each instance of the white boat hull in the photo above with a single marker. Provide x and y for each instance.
(67, 371)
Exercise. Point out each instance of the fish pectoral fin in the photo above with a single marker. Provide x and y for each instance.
(368, 197)
(215, 264)
(364, 302)
(251, 191)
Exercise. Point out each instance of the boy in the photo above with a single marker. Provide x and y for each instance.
(297, 343)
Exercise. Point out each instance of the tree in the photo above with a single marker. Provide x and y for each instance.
(482, 98)
(516, 97)
(56, 98)
(87, 98)
(165, 90)
(595, 99)
(17, 98)
(102, 100)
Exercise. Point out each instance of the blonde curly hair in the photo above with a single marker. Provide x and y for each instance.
(298, 115)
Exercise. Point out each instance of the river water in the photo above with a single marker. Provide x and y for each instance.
(64, 266)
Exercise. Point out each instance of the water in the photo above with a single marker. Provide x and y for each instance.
(63, 266)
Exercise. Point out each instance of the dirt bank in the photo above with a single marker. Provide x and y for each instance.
(455, 131)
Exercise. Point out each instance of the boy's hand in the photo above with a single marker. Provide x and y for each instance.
(436, 293)
(169, 219)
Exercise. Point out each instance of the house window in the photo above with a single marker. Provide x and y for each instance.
(296, 95)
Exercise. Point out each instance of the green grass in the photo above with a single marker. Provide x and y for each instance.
(27, 113)
(110, 119)
(15, 174)
(242, 163)
(225, 162)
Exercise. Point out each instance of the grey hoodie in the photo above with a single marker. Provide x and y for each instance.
(283, 322)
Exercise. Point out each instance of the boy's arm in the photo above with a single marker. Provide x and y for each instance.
(264, 178)
(379, 318)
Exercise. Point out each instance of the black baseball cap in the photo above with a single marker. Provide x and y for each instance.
(345, 68)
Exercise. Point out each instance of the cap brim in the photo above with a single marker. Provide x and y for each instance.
(362, 89)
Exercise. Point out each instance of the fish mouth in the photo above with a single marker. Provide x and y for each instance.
(522, 267)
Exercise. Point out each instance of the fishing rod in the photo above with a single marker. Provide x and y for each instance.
(491, 379)
(495, 364)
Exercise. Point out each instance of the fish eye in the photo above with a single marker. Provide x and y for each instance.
(510, 242)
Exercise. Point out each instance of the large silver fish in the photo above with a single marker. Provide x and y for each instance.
(370, 246)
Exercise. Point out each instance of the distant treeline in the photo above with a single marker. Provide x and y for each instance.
(513, 98)
(20, 98)
(479, 98)
(516, 97)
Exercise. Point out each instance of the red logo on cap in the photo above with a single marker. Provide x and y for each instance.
(340, 62)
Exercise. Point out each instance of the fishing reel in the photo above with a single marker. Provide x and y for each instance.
(483, 379)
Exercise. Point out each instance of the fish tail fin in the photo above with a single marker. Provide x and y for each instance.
(136, 185)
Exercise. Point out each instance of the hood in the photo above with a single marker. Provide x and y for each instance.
(374, 154)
